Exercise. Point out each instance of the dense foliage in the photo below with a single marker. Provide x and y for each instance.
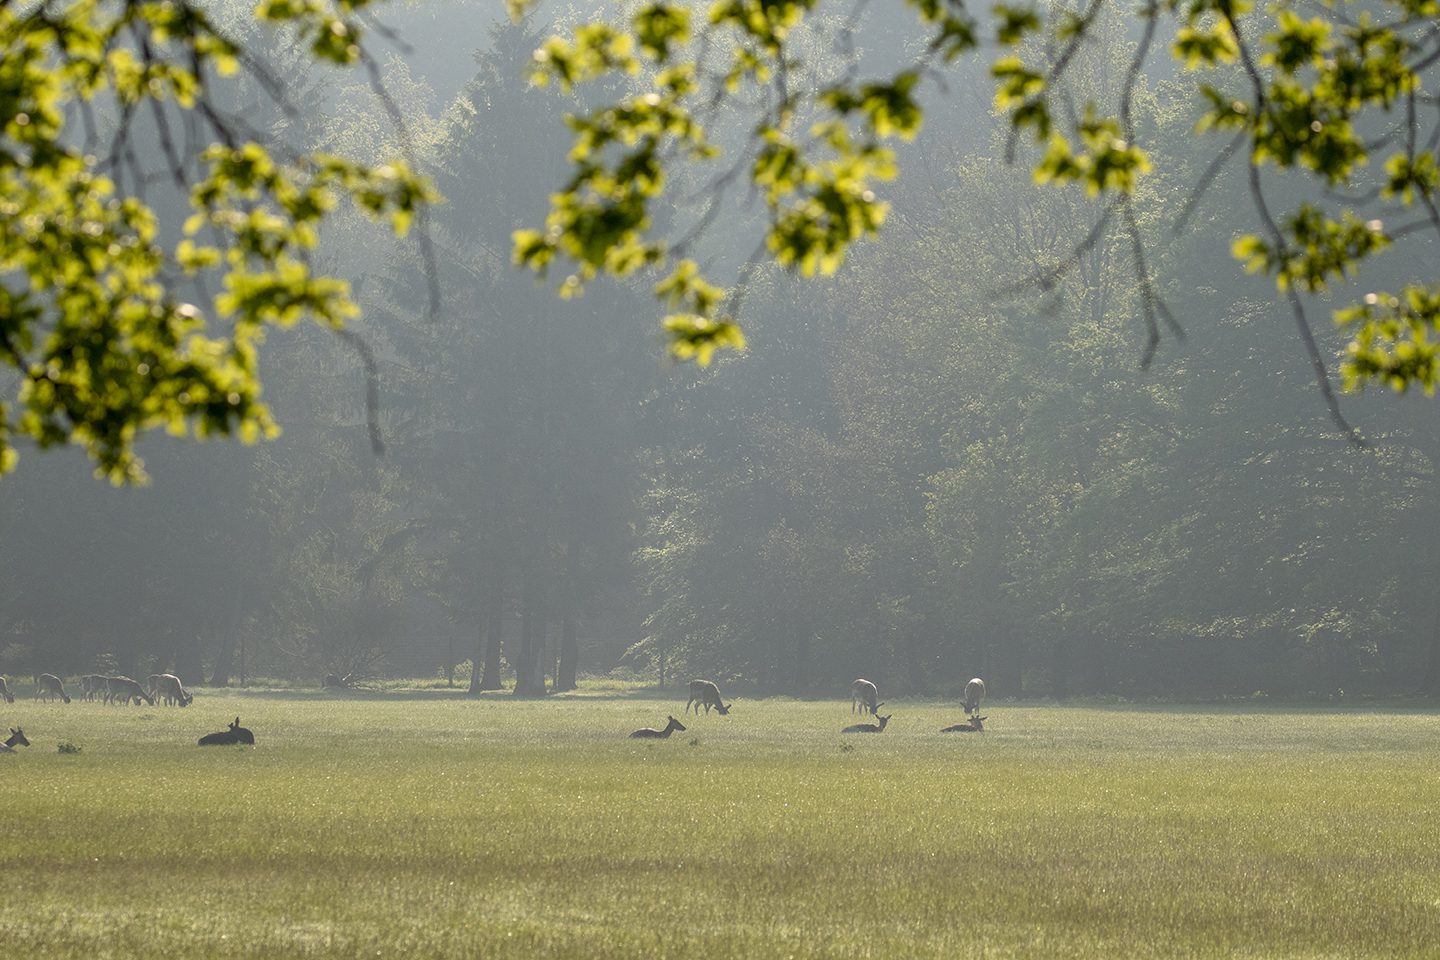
(1333, 91)
(112, 326)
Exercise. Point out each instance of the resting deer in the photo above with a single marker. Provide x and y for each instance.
(974, 694)
(123, 690)
(48, 686)
(650, 733)
(5, 691)
(976, 724)
(17, 739)
(868, 727)
(705, 692)
(168, 685)
(235, 734)
(864, 693)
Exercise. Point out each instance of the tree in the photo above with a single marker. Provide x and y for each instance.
(112, 327)
(1335, 95)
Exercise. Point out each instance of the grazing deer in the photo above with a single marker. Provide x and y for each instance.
(17, 739)
(91, 685)
(974, 693)
(168, 685)
(5, 691)
(123, 690)
(864, 693)
(235, 734)
(976, 724)
(705, 692)
(650, 733)
(869, 727)
(48, 686)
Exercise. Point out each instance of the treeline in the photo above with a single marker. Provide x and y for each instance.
(930, 468)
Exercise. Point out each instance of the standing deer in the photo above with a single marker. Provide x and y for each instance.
(869, 727)
(91, 686)
(976, 724)
(168, 685)
(17, 739)
(235, 734)
(650, 733)
(48, 686)
(864, 693)
(705, 692)
(974, 693)
(123, 690)
(5, 691)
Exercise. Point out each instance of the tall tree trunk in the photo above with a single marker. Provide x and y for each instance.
(224, 660)
(529, 668)
(569, 655)
(478, 661)
(485, 670)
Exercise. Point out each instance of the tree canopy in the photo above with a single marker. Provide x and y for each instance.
(1323, 107)
(111, 325)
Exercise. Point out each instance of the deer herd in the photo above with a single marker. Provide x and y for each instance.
(864, 697)
(160, 687)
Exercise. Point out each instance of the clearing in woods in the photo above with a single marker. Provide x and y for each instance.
(424, 825)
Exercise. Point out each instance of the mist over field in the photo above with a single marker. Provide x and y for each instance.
(910, 475)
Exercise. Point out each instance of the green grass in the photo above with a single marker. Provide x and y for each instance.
(433, 826)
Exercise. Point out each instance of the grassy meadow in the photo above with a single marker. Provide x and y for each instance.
(426, 825)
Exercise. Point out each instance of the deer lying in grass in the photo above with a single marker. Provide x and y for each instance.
(650, 733)
(974, 694)
(123, 690)
(976, 724)
(168, 685)
(48, 686)
(864, 693)
(235, 734)
(868, 727)
(705, 692)
(5, 691)
(17, 739)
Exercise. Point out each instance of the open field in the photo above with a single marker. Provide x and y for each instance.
(429, 826)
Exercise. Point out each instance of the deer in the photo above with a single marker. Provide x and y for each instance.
(48, 686)
(5, 691)
(705, 692)
(169, 686)
(650, 733)
(974, 694)
(976, 724)
(17, 739)
(235, 734)
(869, 727)
(91, 684)
(123, 690)
(864, 693)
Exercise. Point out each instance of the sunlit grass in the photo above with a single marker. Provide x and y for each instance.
(444, 827)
